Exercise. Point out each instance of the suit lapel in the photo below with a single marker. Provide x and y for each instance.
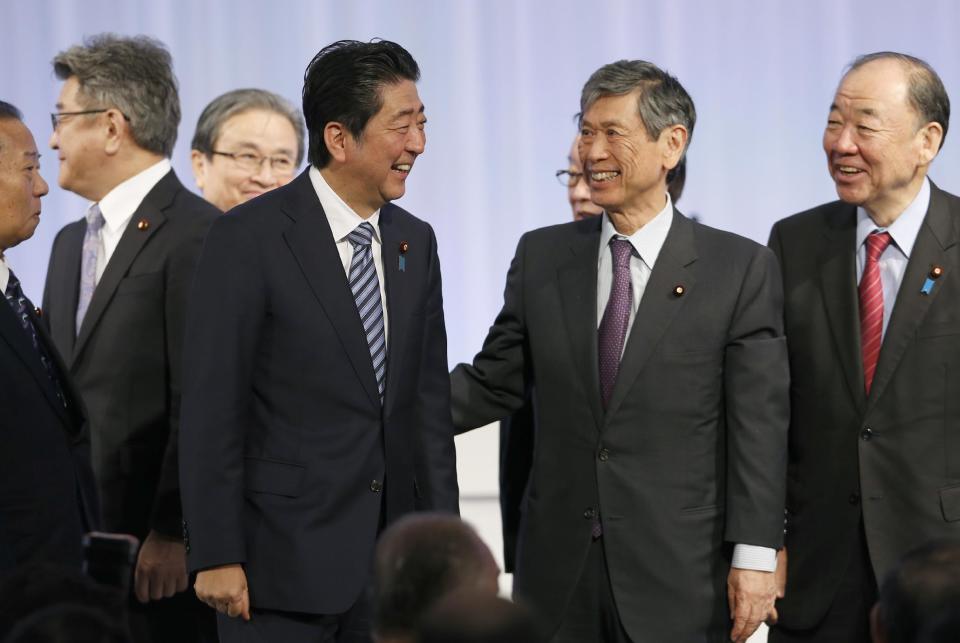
(134, 238)
(659, 305)
(577, 280)
(838, 287)
(936, 235)
(311, 242)
(398, 299)
(66, 291)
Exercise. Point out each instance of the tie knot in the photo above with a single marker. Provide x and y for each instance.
(94, 218)
(621, 249)
(877, 242)
(362, 235)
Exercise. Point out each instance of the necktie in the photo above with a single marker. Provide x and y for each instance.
(21, 305)
(88, 263)
(871, 305)
(366, 293)
(616, 316)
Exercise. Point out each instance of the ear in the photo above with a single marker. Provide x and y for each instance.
(877, 633)
(198, 161)
(118, 128)
(335, 137)
(929, 136)
(673, 141)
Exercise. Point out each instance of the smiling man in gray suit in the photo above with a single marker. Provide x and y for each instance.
(656, 353)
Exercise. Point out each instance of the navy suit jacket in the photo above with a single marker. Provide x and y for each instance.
(289, 464)
(47, 493)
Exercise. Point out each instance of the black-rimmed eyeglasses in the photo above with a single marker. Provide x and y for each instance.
(57, 117)
(568, 178)
(250, 162)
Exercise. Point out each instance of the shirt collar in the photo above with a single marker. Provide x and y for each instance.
(123, 200)
(4, 274)
(341, 217)
(905, 228)
(648, 240)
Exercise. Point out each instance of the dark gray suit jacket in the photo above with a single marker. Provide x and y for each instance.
(290, 465)
(690, 454)
(126, 359)
(892, 458)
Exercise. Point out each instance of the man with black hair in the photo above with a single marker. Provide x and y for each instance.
(924, 586)
(316, 404)
(421, 559)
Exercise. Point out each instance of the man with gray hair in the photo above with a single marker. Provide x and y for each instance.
(115, 301)
(247, 142)
(871, 289)
(655, 499)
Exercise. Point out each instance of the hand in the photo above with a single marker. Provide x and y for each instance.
(161, 568)
(225, 590)
(750, 595)
(781, 573)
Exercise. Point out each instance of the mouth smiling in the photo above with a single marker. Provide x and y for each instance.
(603, 177)
(402, 168)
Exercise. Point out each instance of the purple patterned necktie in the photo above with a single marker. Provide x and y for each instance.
(21, 305)
(88, 261)
(613, 327)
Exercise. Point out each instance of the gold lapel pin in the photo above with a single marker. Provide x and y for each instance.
(936, 272)
(678, 290)
(143, 224)
(38, 311)
(404, 246)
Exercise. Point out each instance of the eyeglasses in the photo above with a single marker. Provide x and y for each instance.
(568, 178)
(250, 162)
(57, 117)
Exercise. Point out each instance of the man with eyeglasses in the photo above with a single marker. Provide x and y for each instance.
(115, 300)
(247, 142)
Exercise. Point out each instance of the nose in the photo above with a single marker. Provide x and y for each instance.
(54, 141)
(580, 191)
(840, 141)
(264, 174)
(417, 141)
(592, 149)
(40, 188)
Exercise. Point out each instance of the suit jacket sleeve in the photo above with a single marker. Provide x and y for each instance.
(756, 381)
(438, 447)
(227, 304)
(493, 386)
(167, 512)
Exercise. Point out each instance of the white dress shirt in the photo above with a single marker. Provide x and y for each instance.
(119, 205)
(343, 220)
(893, 261)
(647, 243)
(4, 274)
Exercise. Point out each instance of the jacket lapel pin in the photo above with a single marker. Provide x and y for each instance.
(143, 224)
(679, 290)
(935, 273)
(402, 259)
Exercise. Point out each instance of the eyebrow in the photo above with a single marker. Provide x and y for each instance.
(613, 123)
(866, 111)
(408, 112)
(32, 155)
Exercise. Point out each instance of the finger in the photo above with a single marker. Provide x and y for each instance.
(156, 586)
(141, 585)
(182, 581)
(731, 601)
(234, 609)
(738, 625)
(773, 616)
(170, 585)
(245, 605)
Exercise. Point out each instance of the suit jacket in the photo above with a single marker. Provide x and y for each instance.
(47, 493)
(126, 358)
(290, 465)
(891, 459)
(690, 453)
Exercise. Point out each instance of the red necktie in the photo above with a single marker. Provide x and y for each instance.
(871, 305)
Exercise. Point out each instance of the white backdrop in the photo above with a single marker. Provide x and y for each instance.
(501, 81)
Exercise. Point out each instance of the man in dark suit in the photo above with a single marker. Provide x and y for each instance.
(658, 364)
(874, 339)
(115, 301)
(316, 396)
(47, 494)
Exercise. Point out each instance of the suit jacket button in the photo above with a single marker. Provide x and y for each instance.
(604, 455)
(589, 513)
(376, 487)
(866, 434)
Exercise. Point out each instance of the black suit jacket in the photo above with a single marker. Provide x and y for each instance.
(47, 493)
(126, 359)
(689, 455)
(289, 464)
(891, 459)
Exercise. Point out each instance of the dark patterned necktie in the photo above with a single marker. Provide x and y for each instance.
(616, 317)
(21, 306)
(366, 293)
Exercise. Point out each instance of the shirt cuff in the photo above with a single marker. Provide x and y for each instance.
(762, 559)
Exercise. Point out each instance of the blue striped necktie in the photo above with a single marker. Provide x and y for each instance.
(88, 261)
(366, 292)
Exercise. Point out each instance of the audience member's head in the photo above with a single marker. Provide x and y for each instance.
(472, 617)
(117, 113)
(247, 142)
(578, 190)
(923, 585)
(21, 185)
(419, 559)
(36, 587)
(68, 623)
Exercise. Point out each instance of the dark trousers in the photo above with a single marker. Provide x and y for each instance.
(848, 618)
(181, 618)
(592, 616)
(273, 626)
